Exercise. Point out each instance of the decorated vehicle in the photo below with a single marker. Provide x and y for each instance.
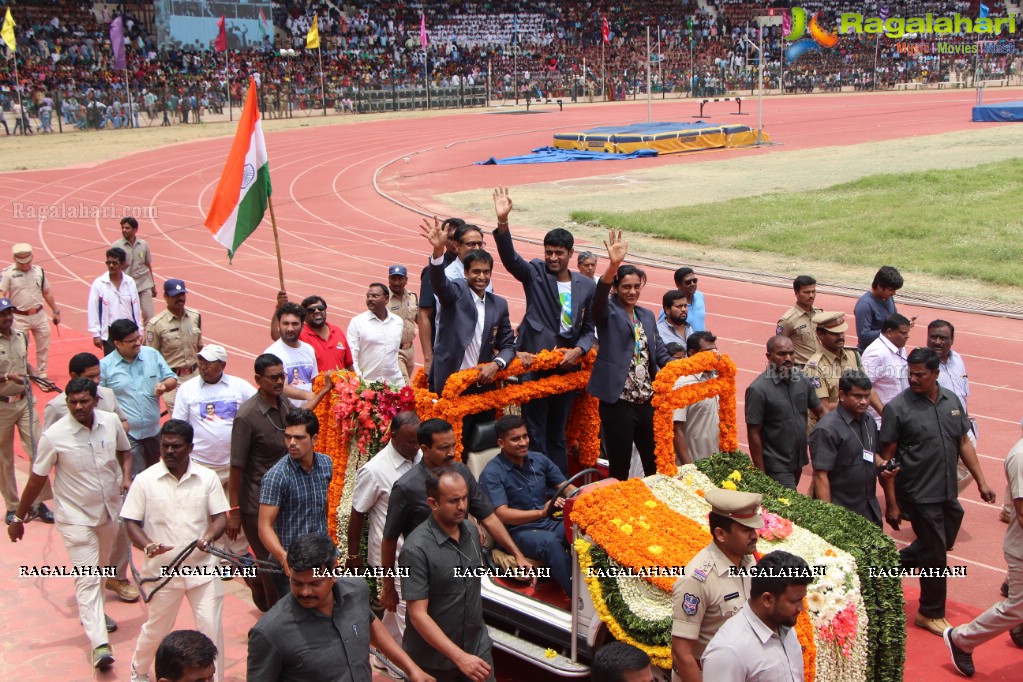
(631, 539)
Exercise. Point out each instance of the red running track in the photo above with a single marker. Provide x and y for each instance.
(339, 232)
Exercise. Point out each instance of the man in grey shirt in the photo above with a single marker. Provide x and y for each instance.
(445, 631)
(776, 405)
(322, 630)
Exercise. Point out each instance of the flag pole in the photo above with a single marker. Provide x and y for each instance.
(323, 93)
(127, 86)
(277, 242)
(17, 87)
(227, 77)
(649, 85)
(603, 71)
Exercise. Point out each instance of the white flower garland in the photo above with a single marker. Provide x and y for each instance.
(344, 505)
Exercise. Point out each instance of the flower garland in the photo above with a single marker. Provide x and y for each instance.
(355, 422)
(583, 430)
(775, 527)
(667, 399)
(453, 404)
(636, 529)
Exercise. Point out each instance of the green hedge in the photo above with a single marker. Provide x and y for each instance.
(882, 597)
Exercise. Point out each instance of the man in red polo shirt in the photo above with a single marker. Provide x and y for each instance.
(328, 340)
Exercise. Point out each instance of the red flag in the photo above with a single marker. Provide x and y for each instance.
(605, 30)
(221, 44)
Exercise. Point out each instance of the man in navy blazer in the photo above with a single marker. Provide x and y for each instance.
(558, 303)
(464, 339)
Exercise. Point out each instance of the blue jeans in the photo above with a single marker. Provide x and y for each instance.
(545, 541)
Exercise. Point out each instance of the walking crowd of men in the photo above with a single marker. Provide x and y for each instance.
(236, 467)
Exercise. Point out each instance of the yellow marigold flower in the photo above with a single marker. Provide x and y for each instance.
(655, 549)
(617, 522)
(689, 479)
(650, 504)
(644, 525)
(626, 528)
(550, 653)
(728, 485)
(784, 500)
(735, 476)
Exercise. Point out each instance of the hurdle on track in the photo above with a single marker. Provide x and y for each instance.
(737, 100)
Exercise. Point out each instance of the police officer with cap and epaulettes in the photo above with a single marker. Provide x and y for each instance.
(177, 334)
(707, 595)
(825, 367)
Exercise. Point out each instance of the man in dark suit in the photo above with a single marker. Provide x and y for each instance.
(558, 303)
(473, 327)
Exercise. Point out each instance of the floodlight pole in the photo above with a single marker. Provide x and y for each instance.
(649, 92)
(760, 84)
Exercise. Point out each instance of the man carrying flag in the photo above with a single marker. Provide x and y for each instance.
(244, 189)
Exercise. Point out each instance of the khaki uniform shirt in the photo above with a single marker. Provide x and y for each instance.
(406, 310)
(706, 596)
(25, 289)
(176, 338)
(824, 369)
(1013, 543)
(796, 325)
(13, 360)
(139, 260)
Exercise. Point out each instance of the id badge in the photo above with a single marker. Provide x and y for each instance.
(868, 456)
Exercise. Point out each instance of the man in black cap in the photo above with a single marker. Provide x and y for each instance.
(707, 595)
(176, 334)
(404, 305)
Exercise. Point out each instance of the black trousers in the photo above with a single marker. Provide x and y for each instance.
(546, 419)
(936, 526)
(271, 582)
(626, 423)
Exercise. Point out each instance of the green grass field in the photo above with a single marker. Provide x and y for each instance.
(963, 223)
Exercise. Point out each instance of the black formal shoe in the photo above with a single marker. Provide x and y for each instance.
(962, 661)
(1016, 634)
(1004, 589)
(43, 513)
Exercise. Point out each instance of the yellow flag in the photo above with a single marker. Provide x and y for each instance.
(7, 32)
(312, 39)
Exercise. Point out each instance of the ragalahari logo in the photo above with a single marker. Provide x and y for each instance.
(795, 28)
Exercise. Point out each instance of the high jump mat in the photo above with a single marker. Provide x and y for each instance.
(667, 137)
(1001, 112)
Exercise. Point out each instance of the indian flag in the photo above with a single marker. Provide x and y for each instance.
(244, 189)
(264, 25)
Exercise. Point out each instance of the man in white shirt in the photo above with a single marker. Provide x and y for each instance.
(298, 356)
(90, 452)
(696, 425)
(170, 505)
(373, 486)
(112, 296)
(885, 363)
(210, 405)
(375, 339)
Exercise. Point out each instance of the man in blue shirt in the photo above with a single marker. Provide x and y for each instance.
(876, 306)
(293, 493)
(519, 483)
(138, 376)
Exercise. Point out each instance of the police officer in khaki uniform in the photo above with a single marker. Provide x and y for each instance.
(26, 286)
(177, 334)
(15, 413)
(139, 265)
(405, 305)
(797, 324)
(707, 596)
(825, 367)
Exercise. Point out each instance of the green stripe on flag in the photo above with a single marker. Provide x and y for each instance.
(252, 207)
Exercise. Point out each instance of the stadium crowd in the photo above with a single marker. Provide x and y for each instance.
(235, 466)
(548, 50)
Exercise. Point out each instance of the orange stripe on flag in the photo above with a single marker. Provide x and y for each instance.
(225, 198)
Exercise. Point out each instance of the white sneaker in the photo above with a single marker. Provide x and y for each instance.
(136, 676)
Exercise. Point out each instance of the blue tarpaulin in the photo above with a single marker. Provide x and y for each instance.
(1004, 111)
(552, 155)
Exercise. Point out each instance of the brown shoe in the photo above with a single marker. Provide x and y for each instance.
(935, 626)
(1004, 516)
(1017, 635)
(125, 590)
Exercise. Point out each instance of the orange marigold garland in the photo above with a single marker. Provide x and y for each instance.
(453, 405)
(583, 431)
(805, 634)
(636, 529)
(667, 399)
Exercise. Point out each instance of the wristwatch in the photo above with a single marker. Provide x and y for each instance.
(17, 519)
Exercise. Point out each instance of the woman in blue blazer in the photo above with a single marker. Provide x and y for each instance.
(628, 357)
